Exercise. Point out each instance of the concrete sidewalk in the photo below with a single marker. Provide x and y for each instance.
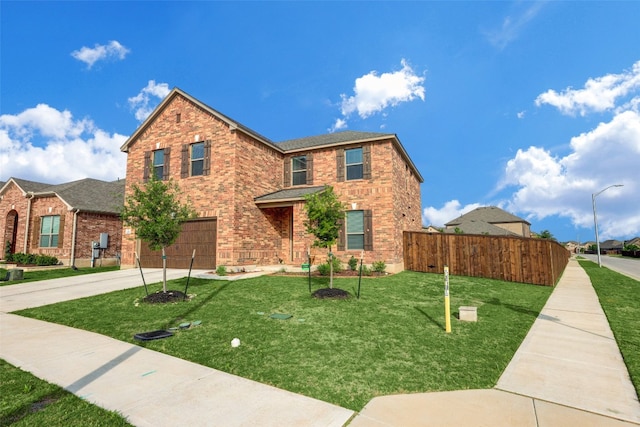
(567, 372)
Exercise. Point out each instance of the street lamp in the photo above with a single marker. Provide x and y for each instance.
(595, 218)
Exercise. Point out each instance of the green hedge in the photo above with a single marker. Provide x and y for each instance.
(33, 259)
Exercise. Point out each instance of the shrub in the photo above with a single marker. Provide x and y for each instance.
(324, 269)
(221, 270)
(337, 265)
(366, 271)
(8, 256)
(379, 266)
(33, 259)
(353, 263)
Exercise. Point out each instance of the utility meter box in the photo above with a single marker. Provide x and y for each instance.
(95, 250)
(104, 240)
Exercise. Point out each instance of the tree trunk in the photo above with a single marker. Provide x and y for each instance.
(164, 271)
(330, 269)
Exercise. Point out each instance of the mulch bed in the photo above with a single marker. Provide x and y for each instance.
(164, 297)
(331, 293)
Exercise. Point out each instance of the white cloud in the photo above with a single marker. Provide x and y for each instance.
(450, 211)
(549, 185)
(374, 93)
(47, 145)
(514, 24)
(599, 94)
(521, 114)
(112, 50)
(142, 103)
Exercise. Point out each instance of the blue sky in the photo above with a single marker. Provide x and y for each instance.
(530, 106)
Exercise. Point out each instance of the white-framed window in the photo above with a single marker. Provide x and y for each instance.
(355, 230)
(299, 170)
(197, 159)
(49, 230)
(354, 163)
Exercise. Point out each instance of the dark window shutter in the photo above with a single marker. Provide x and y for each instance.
(167, 157)
(147, 165)
(206, 167)
(184, 163)
(35, 233)
(61, 232)
(340, 164)
(341, 235)
(309, 169)
(366, 162)
(287, 172)
(368, 231)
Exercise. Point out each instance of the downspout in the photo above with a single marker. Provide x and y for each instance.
(72, 261)
(30, 196)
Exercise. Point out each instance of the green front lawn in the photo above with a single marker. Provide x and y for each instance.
(29, 401)
(619, 296)
(346, 352)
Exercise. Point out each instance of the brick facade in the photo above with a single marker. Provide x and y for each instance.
(244, 165)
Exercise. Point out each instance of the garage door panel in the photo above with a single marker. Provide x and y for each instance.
(200, 235)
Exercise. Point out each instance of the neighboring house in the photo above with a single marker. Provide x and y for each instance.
(490, 220)
(62, 220)
(431, 229)
(611, 246)
(249, 191)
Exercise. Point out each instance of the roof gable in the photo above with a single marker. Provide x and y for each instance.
(176, 92)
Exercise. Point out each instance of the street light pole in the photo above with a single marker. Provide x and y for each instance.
(595, 218)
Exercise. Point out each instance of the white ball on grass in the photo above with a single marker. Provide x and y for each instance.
(235, 342)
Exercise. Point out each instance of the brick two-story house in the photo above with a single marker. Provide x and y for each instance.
(63, 220)
(249, 191)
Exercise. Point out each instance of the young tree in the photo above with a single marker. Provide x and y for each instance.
(546, 234)
(157, 215)
(325, 214)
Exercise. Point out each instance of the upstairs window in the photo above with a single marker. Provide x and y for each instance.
(49, 230)
(354, 163)
(197, 158)
(158, 164)
(353, 160)
(299, 170)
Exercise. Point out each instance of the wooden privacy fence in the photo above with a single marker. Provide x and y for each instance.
(514, 259)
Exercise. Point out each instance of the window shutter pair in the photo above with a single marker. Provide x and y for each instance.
(61, 232)
(340, 164)
(287, 170)
(185, 159)
(368, 232)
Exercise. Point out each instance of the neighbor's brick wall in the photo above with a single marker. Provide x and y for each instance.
(13, 199)
(45, 206)
(89, 227)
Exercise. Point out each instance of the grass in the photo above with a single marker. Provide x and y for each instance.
(346, 352)
(619, 296)
(47, 274)
(29, 401)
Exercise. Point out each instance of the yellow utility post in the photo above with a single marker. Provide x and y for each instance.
(447, 305)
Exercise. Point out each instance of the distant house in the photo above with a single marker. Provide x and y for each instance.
(431, 229)
(62, 220)
(489, 220)
(611, 246)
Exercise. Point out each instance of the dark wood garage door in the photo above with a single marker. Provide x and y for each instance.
(199, 235)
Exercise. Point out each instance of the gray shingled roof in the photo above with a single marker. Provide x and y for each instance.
(490, 214)
(89, 195)
(92, 195)
(330, 139)
(480, 227)
(288, 194)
